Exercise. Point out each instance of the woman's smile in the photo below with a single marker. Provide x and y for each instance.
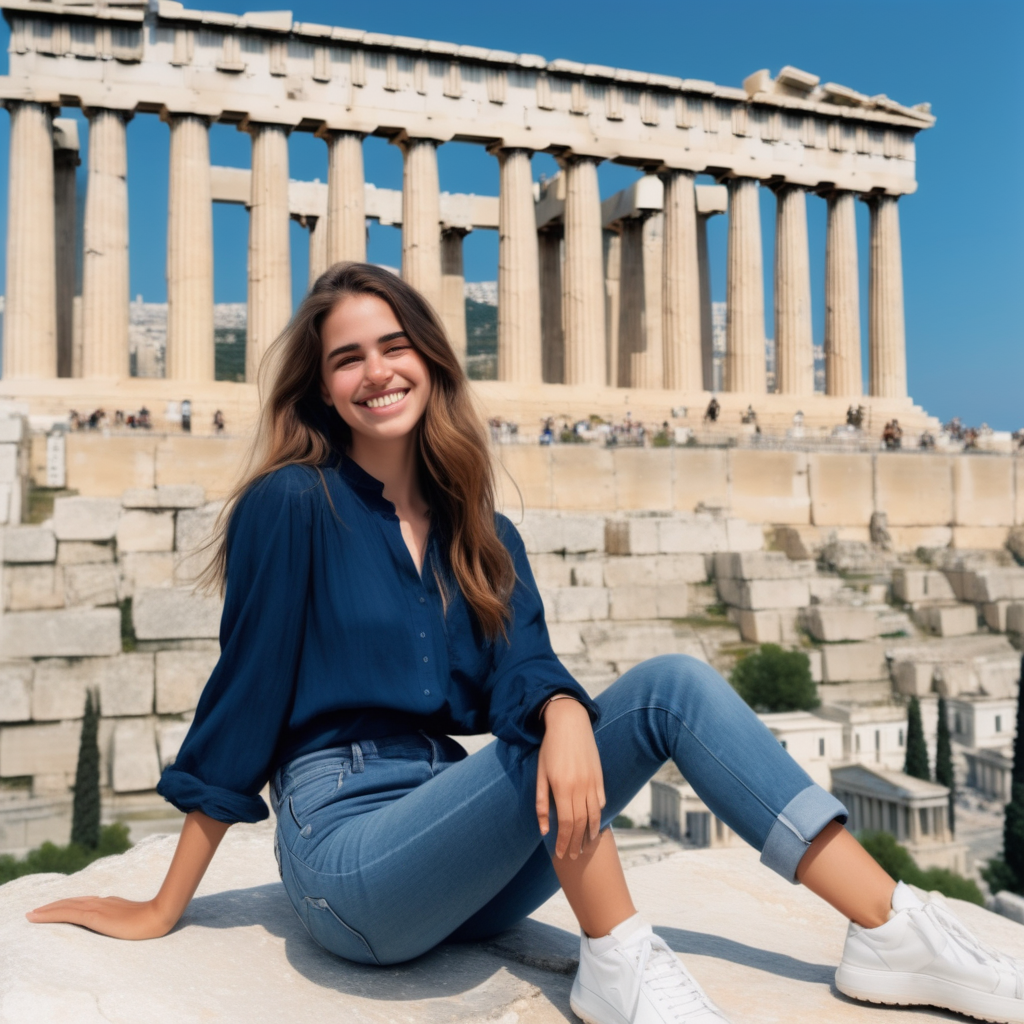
(385, 401)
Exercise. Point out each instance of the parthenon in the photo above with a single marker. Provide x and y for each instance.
(600, 295)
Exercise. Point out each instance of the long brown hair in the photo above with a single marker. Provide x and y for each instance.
(296, 427)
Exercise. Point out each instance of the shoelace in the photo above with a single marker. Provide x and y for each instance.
(669, 981)
(947, 922)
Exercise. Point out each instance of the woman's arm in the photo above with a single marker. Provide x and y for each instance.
(129, 919)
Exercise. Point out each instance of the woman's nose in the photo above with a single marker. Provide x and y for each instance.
(377, 369)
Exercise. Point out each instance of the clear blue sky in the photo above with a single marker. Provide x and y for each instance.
(963, 231)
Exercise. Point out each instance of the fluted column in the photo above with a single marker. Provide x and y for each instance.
(549, 249)
(842, 299)
(744, 356)
(707, 348)
(346, 198)
(794, 345)
(190, 252)
(30, 315)
(453, 292)
(612, 299)
(105, 266)
(681, 285)
(631, 296)
(65, 164)
(318, 227)
(519, 330)
(421, 219)
(641, 348)
(886, 332)
(583, 275)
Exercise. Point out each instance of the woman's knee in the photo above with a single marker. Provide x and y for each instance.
(673, 678)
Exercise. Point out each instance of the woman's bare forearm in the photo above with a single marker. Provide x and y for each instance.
(200, 837)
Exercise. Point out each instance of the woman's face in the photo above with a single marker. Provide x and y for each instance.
(371, 373)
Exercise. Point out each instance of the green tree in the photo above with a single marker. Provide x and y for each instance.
(917, 750)
(85, 818)
(944, 762)
(772, 679)
(898, 864)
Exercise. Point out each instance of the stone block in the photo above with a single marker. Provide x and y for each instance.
(1015, 618)
(211, 462)
(815, 660)
(673, 600)
(685, 568)
(58, 692)
(916, 586)
(764, 594)
(800, 542)
(585, 571)
(15, 691)
(139, 530)
(914, 489)
(8, 463)
(700, 477)
(631, 571)
(633, 536)
(83, 552)
(913, 678)
(870, 691)
(193, 529)
(146, 570)
(643, 478)
(180, 678)
(583, 477)
(997, 584)
(9, 505)
(833, 623)
(948, 620)
(29, 544)
(770, 486)
(551, 570)
(522, 477)
(910, 538)
(169, 738)
(68, 633)
(28, 587)
(974, 538)
(107, 465)
(175, 613)
(11, 429)
(699, 535)
(39, 749)
(619, 642)
(85, 518)
(741, 535)
(760, 565)
(998, 677)
(766, 626)
(565, 638)
(983, 491)
(823, 588)
(125, 684)
(135, 765)
(579, 604)
(633, 602)
(92, 583)
(165, 496)
(994, 613)
(841, 488)
(843, 663)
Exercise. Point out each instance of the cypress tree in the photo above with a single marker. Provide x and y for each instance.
(944, 762)
(917, 750)
(85, 818)
(1013, 826)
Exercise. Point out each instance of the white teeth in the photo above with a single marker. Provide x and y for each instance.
(379, 403)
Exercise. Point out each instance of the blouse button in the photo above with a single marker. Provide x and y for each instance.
(423, 600)
(426, 693)
(422, 635)
(425, 658)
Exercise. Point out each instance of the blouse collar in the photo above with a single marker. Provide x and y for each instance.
(369, 488)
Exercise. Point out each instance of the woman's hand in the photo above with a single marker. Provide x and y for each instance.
(108, 915)
(569, 768)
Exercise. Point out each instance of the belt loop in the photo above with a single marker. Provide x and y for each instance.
(357, 758)
(433, 752)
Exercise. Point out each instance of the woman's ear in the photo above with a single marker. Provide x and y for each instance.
(325, 394)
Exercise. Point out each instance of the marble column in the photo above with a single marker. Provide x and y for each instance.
(318, 230)
(842, 299)
(583, 275)
(30, 314)
(346, 198)
(683, 356)
(421, 219)
(105, 280)
(519, 325)
(612, 299)
(549, 255)
(453, 293)
(190, 252)
(886, 331)
(641, 347)
(794, 345)
(65, 163)
(270, 271)
(745, 341)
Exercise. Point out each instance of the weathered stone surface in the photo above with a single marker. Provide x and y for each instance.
(180, 678)
(753, 941)
(169, 738)
(139, 530)
(193, 530)
(58, 691)
(619, 642)
(15, 691)
(916, 586)
(551, 570)
(91, 583)
(633, 602)
(853, 662)
(824, 588)
(948, 620)
(673, 600)
(915, 679)
(764, 594)
(768, 626)
(164, 496)
(175, 614)
(632, 536)
(697, 536)
(576, 604)
(146, 570)
(27, 587)
(39, 749)
(838, 622)
(996, 614)
(1015, 618)
(85, 518)
(125, 685)
(135, 765)
(29, 544)
(585, 571)
(83, 552)
(548, 532)
(997, 584)
(70, 633)
(565, 638)
(760, 565)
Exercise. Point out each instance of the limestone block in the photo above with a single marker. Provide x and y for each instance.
(83, 552)
(28, 587)
(211, 462)
(800, 542)
(180, 678)
(913, 678)
(125, 684)
(585, 571)
(565, 638)
(916, 586)
(769, 486)
(551, 570)
(15, 691)
(578, 604)
(1015, 618)
(108, 465)
(685, 568)
(139, 530)
(643, 478)
(193, 529)
(8, 503)
(692, 536)
(522, 476)
(815, 660)
(145, 570)
(764, 594)
(169, 738)
(547, 532)
(870, 691)
(68, 633)
(39, 749)
(824, 588)
(583, 477)
(948, 620)
(998, 677)
(914, 490)
(983, 491)
(832, 623)
(973, 538)
(8, 463)
(633, 602)
(998, 584)
(700, 477)
(29, 544)
(910, 538)
(673, 600)
(85, 518)
(741, 535)
(175, 613)
(760, 565)
(853, 662)
(58, 692)
(11, 429)
(631, 571)
(994, 613)
(841, 488)
(633, 536)
(768, 626)
(165, 496)
(92, 583)
(633, 642)
(135, 765)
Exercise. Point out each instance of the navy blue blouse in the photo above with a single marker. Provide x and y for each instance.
(330, 635)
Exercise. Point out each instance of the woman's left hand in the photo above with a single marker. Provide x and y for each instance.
(569, 769)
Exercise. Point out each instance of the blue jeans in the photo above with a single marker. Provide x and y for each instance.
(388, 847)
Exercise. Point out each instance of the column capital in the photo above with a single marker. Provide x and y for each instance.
(500, 150)
(404, 140)
(169, 116)
(875, 198)
(780, 186)
(327, 133)
(568, 157)
(125, 113)
(251, 127)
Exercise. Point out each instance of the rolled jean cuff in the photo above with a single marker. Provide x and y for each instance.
(796, 828)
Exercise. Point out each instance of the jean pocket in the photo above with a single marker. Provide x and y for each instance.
(328, 930)
(313, 794)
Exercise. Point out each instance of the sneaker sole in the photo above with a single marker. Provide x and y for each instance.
(895, 989)
(588, 1014)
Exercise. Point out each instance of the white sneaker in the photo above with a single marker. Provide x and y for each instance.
(924, 956)
(632, 977)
